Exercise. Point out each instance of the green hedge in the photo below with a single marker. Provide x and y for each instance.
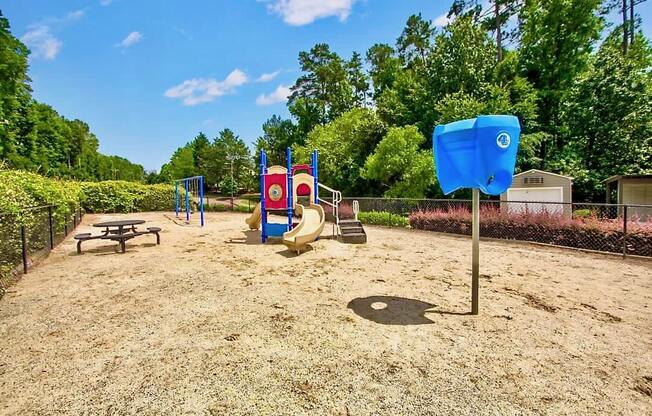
(121, 196)
(20, 190)
(383, 218)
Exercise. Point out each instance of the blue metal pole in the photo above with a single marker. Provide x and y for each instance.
(315, 174)
(290, 189)
(201, 199)
(185, 185)
(176, 197)
(263, 213)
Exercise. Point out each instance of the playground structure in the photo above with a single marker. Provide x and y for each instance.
(280, 189)
(478, 153)
(193, 188)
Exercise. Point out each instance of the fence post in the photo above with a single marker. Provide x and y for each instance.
(74, 220)
(625, 231)
(65, 228)
(23, 239)
(51, 228)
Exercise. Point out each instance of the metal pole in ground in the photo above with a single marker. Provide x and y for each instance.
(51, 227)
(475, 256)
(201, 199)
(23, 239)
(232, 208)
(625, 231)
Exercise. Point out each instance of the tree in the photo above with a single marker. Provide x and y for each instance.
(328, 87)
(278, 135)
(358, 80)
(608, 117)
(557, 37)
(14, 88)
(399, 166)
(323, 91)
(414, 43)
(343, 146)
(385, 66)
(231, 155)
(494, 18)
(182, 164)
(35, 137)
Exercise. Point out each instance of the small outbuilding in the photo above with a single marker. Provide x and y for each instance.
(543, 191)
(630, 190)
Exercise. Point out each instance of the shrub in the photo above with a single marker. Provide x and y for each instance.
(582, 213)
(20, 190)
(383, 218)
(589, 232)
(121, 196)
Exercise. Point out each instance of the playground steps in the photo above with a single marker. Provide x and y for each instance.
(352, 232)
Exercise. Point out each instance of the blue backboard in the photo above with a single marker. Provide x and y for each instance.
(477, 153)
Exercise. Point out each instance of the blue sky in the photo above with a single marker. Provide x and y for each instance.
(148, 75)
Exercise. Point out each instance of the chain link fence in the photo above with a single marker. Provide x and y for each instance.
(614, 228)
(29, 236)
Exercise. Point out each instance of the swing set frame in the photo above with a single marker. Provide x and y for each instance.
(187, 182)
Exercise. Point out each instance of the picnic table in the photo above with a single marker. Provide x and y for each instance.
(120, 231)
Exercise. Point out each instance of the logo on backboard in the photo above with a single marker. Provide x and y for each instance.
(503, 140)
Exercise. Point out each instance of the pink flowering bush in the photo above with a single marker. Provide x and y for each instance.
(587, 232)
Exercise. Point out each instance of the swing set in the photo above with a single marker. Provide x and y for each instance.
(193, 188)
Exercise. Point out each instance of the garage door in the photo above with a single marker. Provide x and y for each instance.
(536, 198)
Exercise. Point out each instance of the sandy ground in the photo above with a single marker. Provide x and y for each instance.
(213, 323)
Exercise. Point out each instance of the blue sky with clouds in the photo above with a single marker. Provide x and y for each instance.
(148, 75)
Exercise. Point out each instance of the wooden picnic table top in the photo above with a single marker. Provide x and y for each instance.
(120, 223)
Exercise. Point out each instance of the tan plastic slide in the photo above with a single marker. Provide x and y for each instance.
(308, 230)
(254, 220)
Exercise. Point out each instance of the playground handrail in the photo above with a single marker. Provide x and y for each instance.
(336, 198)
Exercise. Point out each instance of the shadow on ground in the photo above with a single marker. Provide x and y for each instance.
(110, 248)
(394, 310)
(251, 238)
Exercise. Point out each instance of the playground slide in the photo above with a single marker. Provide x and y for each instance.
(254, 220)
(308, 230)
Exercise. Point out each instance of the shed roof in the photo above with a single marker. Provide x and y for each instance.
(543, 172)
(619, 177)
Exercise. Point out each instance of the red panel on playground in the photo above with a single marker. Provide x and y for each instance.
(303, 190)
(276, 191)
(301, 168)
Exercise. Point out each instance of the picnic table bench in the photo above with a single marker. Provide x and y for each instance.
(119, 231)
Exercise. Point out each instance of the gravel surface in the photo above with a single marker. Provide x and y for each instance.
(211, 322)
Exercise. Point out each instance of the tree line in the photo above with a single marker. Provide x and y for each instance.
(34, 137)
(580, 85)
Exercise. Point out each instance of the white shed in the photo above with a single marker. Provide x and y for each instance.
(536, 187)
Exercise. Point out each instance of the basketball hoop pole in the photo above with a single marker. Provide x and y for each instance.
(475, 256)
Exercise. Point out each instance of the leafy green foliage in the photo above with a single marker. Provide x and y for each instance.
(33, 136)
(608, 117)
(122, 196)
(343, 146)
(398, 164)
(214, 160)
(383, 218)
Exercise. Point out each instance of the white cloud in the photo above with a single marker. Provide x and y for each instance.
(75, 15)
(266, 77)
(280, 95)
(443, 20)
(202, 90)
(41, 42)
(131, 39)
(303, 12)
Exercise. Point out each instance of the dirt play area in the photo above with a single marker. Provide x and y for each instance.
(211, 322)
